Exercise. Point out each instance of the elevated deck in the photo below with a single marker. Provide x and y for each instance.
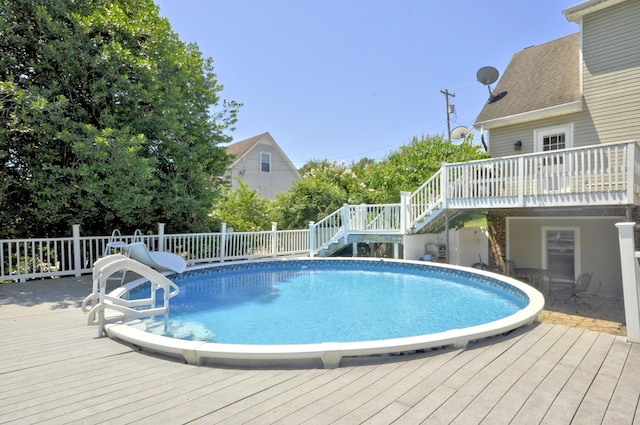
(591, 176)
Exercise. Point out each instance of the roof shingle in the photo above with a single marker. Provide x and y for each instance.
(237, 149)
(537, 77)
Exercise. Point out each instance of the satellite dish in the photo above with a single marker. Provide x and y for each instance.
(487, 75)
(459, 132)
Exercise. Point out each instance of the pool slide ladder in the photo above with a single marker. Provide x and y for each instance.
(103, 308)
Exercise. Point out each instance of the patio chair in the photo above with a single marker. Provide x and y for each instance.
(512, 270)
(581, 286)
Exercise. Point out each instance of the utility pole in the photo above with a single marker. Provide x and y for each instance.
(447, 94)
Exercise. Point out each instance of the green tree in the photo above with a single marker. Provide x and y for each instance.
(327, 185)
(348, 179)
(411, 165)
(105, 120)
(309, 199)
(243, 210)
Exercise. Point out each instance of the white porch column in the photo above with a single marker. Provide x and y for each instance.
(629, 265)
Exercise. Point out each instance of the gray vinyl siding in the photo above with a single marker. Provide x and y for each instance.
(501, 139)
(611, 86)
(611, 72)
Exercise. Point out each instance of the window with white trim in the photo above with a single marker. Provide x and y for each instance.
(265, 162)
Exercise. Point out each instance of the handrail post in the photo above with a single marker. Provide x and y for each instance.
(345, 221)
(274, 239)
(521, 181)
(405, 212)
(77, 267)
(223, 241)
(631, 172)
(629, 266)
(312, 238)
(444, 184)
(161, 236)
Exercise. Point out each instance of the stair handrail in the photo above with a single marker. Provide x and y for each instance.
(329, 230)
(427, 198)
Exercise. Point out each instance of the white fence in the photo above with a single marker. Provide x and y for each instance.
(22, 259)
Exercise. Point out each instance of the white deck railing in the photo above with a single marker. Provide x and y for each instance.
(605, 174)
(601, 174)
(22, 259)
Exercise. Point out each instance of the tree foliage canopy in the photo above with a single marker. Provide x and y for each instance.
(327, 185)
(243, 210)
(411, 165)
(105, 120)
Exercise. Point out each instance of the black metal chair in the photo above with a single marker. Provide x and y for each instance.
(581, 286)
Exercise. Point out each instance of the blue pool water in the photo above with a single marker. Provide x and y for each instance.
(315, 301)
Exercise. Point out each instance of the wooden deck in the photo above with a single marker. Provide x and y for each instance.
(53, 369)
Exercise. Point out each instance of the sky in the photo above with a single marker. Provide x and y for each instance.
(347, 79)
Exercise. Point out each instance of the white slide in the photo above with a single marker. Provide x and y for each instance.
(155, 259)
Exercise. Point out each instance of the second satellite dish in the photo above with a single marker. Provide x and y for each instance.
(459, 133)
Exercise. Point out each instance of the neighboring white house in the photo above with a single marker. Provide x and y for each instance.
(579, 91)
(262, 165)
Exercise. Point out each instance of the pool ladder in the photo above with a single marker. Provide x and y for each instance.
(103, 307)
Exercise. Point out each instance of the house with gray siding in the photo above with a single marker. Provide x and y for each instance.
(568, 111)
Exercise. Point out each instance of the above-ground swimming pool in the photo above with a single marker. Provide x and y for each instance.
(312, 312)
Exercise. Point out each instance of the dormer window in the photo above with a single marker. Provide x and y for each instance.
(265, 162)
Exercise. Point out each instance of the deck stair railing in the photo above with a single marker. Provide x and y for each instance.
(328, 231)
(427, 201)
(334, 231)
(103, 308)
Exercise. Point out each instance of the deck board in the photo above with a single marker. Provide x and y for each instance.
(54, 370)
(626, 396)
(601, 390)
(547, 354)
